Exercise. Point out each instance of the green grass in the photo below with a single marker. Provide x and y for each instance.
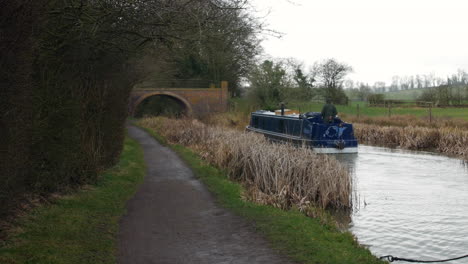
(364, 110)
(82, 227)
(243, 105)
(304, 239)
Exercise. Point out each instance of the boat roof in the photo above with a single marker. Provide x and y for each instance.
(272, 114)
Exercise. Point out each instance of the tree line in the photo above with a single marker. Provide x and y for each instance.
(68, 66)
(279, 80)
(275, 81)
(418, 81)
(441, 91)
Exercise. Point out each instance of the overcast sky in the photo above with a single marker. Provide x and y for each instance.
(378, 38)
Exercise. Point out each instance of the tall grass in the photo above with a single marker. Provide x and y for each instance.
(277, 174)
(443, 135)
(452, 141)
(448, 136)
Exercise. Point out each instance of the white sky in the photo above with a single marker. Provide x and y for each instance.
(378, 38)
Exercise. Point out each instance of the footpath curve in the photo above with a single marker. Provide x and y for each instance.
(173, 218)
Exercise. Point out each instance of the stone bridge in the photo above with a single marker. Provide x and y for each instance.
(196, 101)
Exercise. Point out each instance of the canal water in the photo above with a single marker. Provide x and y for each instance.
(409, 204)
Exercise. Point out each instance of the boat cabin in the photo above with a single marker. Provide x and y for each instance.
(308, 128)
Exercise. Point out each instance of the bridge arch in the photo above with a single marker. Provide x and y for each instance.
(185, 103)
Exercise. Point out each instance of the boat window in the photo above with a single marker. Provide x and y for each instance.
(281, 126)
(292, 127)
(255, 121)
(295, 126)
(272, 124)
(267, 123)
(261, 122)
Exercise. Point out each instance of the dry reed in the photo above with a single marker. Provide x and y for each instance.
(443, 135)
(277, 174)
(452, 141)
(237, 120)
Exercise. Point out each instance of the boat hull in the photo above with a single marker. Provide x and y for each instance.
(318, 146)
(349, 150)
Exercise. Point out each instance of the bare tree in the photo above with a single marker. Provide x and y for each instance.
(427, 80)
(331, 74)
(404, 83)
(379, 87)
(349, 84)
(204, 40)
(395, 83)
(419, 82)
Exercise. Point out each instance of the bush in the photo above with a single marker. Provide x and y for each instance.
(16, 89)
(64, 97)
(375, 99)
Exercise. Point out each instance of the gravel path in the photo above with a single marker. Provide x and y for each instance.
(173, 218)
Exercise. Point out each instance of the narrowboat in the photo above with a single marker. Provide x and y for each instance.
(305, 129)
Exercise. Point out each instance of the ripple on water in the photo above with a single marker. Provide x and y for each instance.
(411, 204)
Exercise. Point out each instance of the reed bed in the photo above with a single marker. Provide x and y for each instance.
(452, 141)
(444, 135)
(407, 120)
(448, 136)
(277, 174)
(237, 120)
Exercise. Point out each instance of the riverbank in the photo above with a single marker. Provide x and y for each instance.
(450, 141)
(80, 227)
(303, 239)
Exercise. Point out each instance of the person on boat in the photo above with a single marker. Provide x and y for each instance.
(329, 112)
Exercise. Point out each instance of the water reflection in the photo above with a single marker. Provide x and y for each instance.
(409, 204)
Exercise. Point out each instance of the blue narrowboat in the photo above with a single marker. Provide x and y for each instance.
(306, 129)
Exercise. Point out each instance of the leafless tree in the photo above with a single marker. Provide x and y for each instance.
(379, 87)
(330, 74)
(395, 83)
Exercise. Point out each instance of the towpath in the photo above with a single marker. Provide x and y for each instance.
(173, 219)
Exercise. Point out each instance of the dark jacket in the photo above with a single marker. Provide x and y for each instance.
(329, 112)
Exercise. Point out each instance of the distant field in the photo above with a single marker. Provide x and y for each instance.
(408, 95)
(381, 111)
(241, 105)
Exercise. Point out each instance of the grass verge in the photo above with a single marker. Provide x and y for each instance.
(303, 239)
(82, 227)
